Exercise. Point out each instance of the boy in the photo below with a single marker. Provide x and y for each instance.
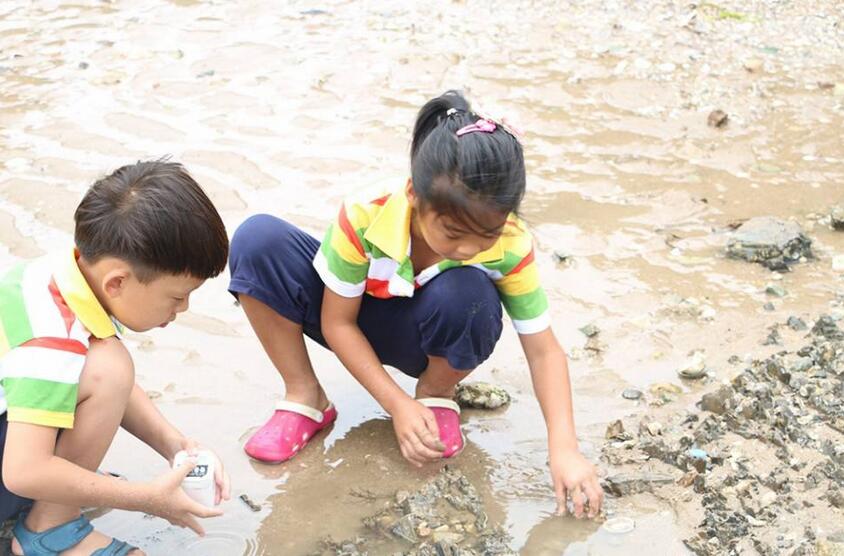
(146, 237)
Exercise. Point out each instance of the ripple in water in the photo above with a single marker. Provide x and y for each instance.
(219, 543)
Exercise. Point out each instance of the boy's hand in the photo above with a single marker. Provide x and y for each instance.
(417, 432)
(573, 475)
(221, 478)
(168, 500)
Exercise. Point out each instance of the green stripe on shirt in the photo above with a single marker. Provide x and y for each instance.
(13, 313)
(526, 306)
(42, 394)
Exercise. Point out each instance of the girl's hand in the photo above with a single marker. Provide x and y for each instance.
(574, 476)
(417, 432)
(221, 478)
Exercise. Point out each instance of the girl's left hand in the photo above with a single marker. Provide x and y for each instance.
(221, 478)
(574, 476)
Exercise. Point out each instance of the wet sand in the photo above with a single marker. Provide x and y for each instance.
(287, 109)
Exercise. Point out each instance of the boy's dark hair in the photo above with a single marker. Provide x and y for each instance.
(154, 216)
(450, 173)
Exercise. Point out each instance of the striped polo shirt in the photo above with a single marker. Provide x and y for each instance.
(47, 316)
(367, 250)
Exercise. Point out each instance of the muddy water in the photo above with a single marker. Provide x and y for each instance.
(288, 108)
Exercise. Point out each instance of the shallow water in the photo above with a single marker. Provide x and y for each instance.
(287, 109)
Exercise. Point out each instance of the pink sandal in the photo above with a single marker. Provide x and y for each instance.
(447, 414)
(290, 428)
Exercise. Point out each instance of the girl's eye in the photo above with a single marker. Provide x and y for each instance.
(179, 299)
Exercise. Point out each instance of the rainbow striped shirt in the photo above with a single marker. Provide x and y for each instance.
(47, 316)
(367, 250)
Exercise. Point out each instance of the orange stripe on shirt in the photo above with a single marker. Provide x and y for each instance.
(67, 314)
(524, 262)
(61, 344)
(349, 231)
(381, 200)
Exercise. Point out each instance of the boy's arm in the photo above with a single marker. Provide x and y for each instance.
(144, 421)
(32, 470)
(569, 469)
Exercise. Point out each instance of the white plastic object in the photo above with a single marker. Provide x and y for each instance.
(199, 484)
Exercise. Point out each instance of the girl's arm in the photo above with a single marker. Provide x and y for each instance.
(414, 424)
(571, 472)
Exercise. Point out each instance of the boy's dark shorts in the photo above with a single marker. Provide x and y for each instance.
(457, 315)
(10, 504)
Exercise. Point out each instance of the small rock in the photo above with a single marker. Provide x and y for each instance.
(83, 65)
(825, 326)
(590, 330)
(654, 428)
(695, 368)
(631, 394)
(769, 241)
(775, 290)
(624, 484)
(481, 395)
(688, 479)
(717, 119)
(796, 324)
(561, 256)
(769, 306)
(716, 402)
(615, 431)
(836, 216)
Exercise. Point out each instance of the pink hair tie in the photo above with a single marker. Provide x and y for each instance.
(483, 125)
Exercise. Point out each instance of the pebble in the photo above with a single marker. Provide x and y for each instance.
(775, 290)
(631, 394)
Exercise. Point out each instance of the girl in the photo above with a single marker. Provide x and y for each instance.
(414, 279)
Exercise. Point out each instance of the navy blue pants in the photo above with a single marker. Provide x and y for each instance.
(10, 503)
(457, 315)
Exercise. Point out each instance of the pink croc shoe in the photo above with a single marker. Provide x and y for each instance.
(448, 421)
(288, 431)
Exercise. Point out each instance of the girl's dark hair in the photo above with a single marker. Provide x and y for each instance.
(154, 216)
(451, 174)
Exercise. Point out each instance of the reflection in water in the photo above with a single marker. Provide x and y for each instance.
(331, 493)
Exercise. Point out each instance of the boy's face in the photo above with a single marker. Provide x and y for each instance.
(143, 306)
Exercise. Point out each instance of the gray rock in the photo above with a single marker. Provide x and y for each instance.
(825, 326)
(590, 330)
(481, 395)
(796, 323)
(776, 290)
(624, 484)
(837, 217)
(769, 241)
(769, 306)
(631, 394)
(716, 402)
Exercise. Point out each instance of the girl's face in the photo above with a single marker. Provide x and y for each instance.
(450, 238)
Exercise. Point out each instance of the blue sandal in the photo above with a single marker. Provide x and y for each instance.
(63, 537)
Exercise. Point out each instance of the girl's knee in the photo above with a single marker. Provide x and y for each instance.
(108, 369)
(464, 292)
(258, 234)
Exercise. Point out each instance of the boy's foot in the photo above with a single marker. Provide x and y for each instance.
(290, 428)
(447, 414)
(74, 538)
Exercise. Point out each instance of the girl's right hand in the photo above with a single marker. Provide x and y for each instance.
(167, 500)
(417, 432)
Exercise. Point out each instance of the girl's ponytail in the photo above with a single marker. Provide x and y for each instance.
(432, 114)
